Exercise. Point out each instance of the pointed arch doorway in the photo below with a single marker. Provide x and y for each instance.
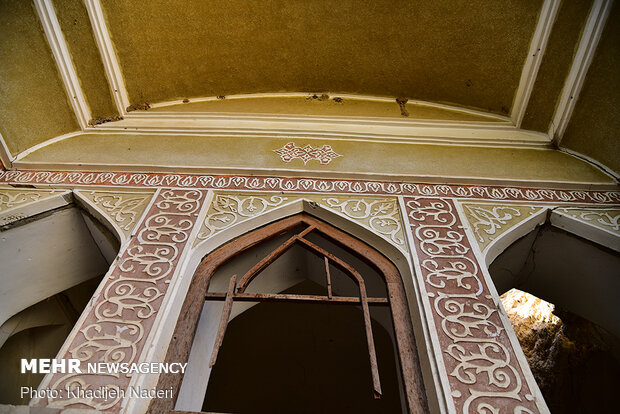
(264, 269)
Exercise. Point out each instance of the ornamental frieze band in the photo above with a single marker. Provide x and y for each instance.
(227, 182)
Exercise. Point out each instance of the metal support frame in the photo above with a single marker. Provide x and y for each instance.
(187, 322)
(327, 256)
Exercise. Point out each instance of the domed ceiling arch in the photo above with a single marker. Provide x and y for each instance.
(498, 74)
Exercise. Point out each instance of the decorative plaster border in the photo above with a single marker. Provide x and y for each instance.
(310, 185)
(120, 316)
(484, 370)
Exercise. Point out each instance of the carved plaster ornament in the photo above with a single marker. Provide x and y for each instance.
(323, 155)
(120, 316)
(489, 221)
(122, 208)
(480, 362)
(381, 215)
(306, 185)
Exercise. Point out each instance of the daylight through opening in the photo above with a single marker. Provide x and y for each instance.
(300, 316)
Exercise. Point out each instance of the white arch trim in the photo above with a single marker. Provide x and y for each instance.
(129, 215)
(503, 241)
(41, 201)
(172, 305)
(608, 237)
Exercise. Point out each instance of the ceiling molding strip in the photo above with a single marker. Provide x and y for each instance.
(5, 154)
(534, 58)
(386, 99)
(581, 63)
(57, 43)
(372, 130)
(108, 56)
(593, 162)
(45, 143)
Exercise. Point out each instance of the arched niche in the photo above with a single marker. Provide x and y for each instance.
(53, 258)
(574, 265)
(563, 267)
(406, 283)
(50, 251)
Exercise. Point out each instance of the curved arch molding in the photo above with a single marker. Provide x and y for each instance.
(495, 226)
(20, 203)
(380, 215)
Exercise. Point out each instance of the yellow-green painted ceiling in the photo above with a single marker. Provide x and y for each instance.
(463, 52)
(75, 25)
(33, 103)
(556, 62)
(469, 54)
(594, 128)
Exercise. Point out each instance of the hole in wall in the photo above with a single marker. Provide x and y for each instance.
(560, 293)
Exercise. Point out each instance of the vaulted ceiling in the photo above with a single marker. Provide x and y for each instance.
(532, 74)
(385, 48)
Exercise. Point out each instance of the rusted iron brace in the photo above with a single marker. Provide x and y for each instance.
(280, 250)
(281, 297)
(224, 319)
(364, 299)
(269, 259)
(329, 278)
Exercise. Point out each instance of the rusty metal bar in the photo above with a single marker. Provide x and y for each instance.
(329, 278)
(372, 353)
(224, 320)
(269, 259)
(281, 297)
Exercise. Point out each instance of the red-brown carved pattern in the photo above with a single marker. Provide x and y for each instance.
(121, 314)
(226, 182)
(483, 371)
